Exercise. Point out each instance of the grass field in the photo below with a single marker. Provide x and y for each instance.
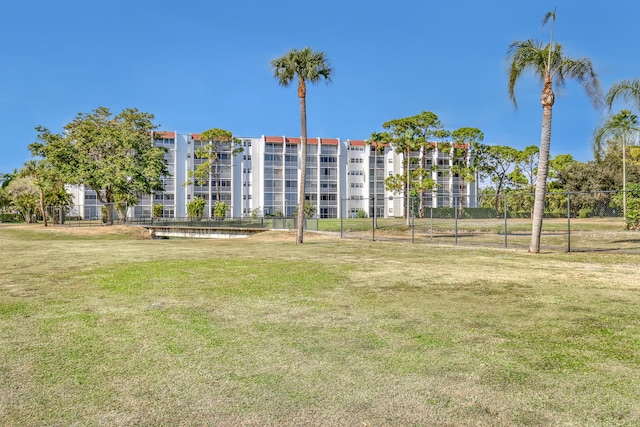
(101, 327)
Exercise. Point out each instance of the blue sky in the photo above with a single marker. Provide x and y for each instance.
(199, 64)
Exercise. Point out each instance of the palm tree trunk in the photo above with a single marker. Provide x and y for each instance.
(217, 177)
(543, 166)
(624, 177)
(210, 182)
(408, 163)
(302, 94)
(375, 186)
(460, 196)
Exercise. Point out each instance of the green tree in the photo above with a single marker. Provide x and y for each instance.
(465, 143)
(377, 141)
(50, 186)
(617, 132)
(632, 216)
(48, 179)
(7, 177)
(220, 210)
(412, 134)
(157, 210)
(114, 155)
(304, 66)
(5, 200)
(216, 144)
(25, 196)
(496, 162)
(556, 166)
(309, 210)
(195, 208)
(594, 182)
(551, 65)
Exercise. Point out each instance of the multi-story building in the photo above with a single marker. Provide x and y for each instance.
(261, 176)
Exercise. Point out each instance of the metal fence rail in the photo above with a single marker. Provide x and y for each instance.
(572, 222)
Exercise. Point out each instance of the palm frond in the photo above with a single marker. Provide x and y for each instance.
(582, 71)
(528, 55)
(628, 90)
(549, 16)
(304, 64)
(623, 125)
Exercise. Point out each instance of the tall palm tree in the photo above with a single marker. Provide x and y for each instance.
(378, 141)
(306, 66)
(620, 128)
(551, 65)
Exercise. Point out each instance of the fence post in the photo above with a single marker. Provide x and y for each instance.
(568, 222)
(455, 213)
(341, 216)
(431, 219)
(373, 220)
(413, 226)
(505, 219)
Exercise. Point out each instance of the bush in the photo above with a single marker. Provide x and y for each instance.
(10, 217)
(632, 220)
(195, 208)
(157, 210)
(362, 213)
(585, 212)
(220, 210)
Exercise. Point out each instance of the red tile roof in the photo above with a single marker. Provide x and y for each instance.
(163, 134)
(279, 139)
(329, 141)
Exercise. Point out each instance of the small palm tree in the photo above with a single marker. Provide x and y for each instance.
(306, 66)
(621, 128)
(551, 65)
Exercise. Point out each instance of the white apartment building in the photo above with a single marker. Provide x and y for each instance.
(344, 178)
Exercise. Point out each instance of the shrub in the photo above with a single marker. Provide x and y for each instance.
(157, 210)
(220, 210)
(195, 208)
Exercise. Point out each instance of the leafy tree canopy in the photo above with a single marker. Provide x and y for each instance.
(112, 154)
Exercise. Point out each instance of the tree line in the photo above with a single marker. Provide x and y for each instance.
(115, 155)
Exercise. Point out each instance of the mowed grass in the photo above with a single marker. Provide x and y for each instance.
(104, 329)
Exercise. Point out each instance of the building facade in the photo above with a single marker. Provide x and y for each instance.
(259, 176)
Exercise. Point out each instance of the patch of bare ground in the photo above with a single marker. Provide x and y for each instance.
(284, 236)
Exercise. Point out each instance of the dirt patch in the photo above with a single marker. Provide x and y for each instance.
(282, 236)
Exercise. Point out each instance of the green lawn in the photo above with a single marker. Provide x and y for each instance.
(109, 330)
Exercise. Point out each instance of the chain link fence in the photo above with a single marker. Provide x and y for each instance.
(572, 222)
